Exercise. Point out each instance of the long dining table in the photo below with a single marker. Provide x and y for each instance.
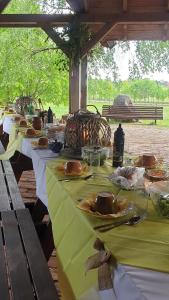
(142, 251)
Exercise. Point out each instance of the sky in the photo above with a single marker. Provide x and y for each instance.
(123, 65)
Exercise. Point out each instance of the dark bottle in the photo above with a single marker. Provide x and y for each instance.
(118, 147)
(50, 115)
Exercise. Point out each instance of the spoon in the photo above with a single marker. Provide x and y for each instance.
(132, 221)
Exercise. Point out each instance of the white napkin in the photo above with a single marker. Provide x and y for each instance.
(136, 180)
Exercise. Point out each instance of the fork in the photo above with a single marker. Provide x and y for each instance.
(76, 178)
(132, 221)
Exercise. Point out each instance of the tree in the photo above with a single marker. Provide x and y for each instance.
(22, 70)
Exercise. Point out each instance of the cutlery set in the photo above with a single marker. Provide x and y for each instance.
(106, 227)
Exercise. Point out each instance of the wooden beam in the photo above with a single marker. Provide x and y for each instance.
(125, 5)
(56, 39)
(126, 18)
(165, 31)
(98, 37)
(86, 5)
(3, 4)
(34, 20)
(125, 32)
(40, 20)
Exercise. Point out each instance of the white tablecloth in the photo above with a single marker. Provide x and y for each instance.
(39, 159)
(130, 283)
(7, 124)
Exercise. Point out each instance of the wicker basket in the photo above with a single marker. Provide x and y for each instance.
(86, 128)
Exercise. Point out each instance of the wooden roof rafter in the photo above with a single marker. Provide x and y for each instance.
(125, 5)
(78, 6)
(56, 39)
(98, 37)
(3, 4)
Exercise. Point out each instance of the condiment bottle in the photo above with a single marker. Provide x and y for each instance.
(118, 147)
(50, 115)
(31, 109)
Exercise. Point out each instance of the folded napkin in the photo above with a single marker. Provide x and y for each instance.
(128, 177)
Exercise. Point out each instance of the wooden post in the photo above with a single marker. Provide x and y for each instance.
(74, 86)
(84, 83)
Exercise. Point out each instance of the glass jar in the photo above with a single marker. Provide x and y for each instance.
(92, 155)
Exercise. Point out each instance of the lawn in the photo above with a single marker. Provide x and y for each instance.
(60, 110)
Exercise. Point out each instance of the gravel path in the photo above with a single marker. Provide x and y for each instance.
(141, 139)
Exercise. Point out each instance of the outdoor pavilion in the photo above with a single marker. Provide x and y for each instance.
(107, 20)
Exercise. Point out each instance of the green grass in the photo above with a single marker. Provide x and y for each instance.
(61, 109)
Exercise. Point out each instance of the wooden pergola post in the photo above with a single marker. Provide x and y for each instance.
(74, 85)
(78, 75)
(84, 82)
(78, 84)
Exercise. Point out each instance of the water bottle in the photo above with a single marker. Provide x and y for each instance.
(118, 147)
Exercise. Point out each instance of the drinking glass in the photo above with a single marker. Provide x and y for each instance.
(94, 158)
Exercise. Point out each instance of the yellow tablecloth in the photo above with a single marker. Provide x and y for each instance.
(15, 140)
(145, 245)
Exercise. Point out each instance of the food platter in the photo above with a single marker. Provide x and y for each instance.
(36, 135)
(125, 208)
(156, 175)
(35, 145)
(85, 171)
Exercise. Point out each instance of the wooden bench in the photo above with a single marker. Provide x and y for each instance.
(24, 274)
(10, 198)
(23, 268)
(132, 112)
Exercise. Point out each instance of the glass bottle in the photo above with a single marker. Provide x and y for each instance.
(118, 147)
(31, 109)
(50, 115)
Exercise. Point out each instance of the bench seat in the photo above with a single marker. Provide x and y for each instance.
(24, 271)
(10, 197)
(132, 112)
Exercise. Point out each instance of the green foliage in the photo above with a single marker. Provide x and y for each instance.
(137, 89)
(74, 38)
(26, 67)
(22, 72)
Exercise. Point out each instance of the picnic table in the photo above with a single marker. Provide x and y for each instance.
(141, 251)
